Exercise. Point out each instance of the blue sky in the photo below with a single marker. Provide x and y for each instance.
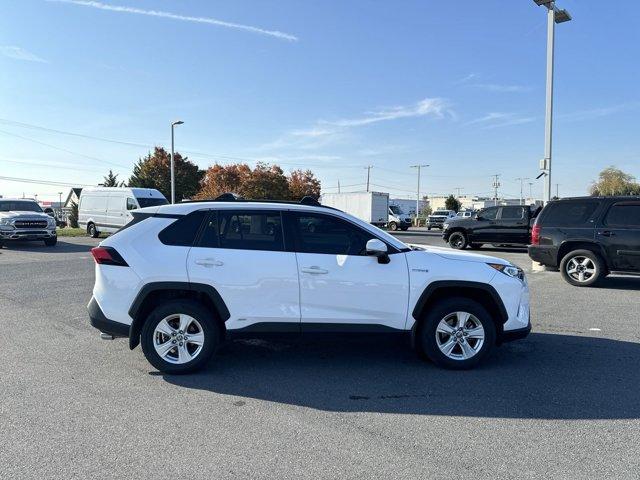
(328, 85)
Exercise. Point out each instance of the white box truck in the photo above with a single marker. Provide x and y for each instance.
(372, 207)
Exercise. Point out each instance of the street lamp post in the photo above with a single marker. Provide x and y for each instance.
(173, 175)
(418, 194)
(554, 15)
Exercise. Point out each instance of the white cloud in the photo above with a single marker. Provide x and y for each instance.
(500, 119)
(18, 53)
(184, 18)
(436, 107)
(599, 112)
(494, 87)
(466, 78)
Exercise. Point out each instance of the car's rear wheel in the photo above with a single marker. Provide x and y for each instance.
(393, 226)
(458, 240)
(92, 230)
(582, 268)
(51, 242)
(457, 333)
(179, 336)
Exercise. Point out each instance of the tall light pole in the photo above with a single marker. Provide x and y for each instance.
(521, 184)
(418, 195)
(173, 175)
(496, 185)
(59, 205)
(531, 191)
(368, 169)
(554, 15)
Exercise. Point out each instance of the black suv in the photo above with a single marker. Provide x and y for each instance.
(588, 237)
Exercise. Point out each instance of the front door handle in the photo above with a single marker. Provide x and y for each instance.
(209, 262)
(314, 270)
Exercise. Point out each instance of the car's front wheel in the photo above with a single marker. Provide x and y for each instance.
(458, 240)
(393, 226)
(51, 242)
(457, 333)
(179, 336)
(92, 230)
(582, 268)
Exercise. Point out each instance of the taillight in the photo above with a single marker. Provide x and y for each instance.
(108, 256)
(535, 234)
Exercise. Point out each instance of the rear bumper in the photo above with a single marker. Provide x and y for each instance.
(101, 322)
(546, 255)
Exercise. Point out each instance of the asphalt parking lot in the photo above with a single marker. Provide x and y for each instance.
(563, 403)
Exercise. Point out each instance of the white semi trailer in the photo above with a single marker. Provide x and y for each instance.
(372, 207)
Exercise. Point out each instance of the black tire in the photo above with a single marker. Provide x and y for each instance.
(427, 343)
(1, 244)
(51, 242)
(428, 228)
(589, 263)
(210, 330)
(92, 231)
(393, 226)
(475, 246)
(458, 240)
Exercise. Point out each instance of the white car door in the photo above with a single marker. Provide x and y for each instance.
(241, 254)
(341, 288)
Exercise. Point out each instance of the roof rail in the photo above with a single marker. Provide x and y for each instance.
(234, 197)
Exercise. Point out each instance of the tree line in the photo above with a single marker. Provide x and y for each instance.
(262, 182)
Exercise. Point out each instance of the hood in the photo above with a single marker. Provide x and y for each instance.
(460, 220)
(19, 214)
(461, 255)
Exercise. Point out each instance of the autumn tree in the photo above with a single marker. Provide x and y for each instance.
(219, 179)
(154, 171)
(266, 182)
(613, 181)
(111, 180)
(303, 183)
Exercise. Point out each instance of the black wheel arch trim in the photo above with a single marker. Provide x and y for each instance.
(146, 290)
(432, 288)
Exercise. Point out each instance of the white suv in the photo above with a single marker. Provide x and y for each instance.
(180, 279)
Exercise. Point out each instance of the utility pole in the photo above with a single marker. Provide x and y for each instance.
(419, 167)
(496, 185)
(557, 190)
(59, 205)
(521, 179)
(554, 15)
(368, 168)
(338, 186)
(530, 190)
(458, 189)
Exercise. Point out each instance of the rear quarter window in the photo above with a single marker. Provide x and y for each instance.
(625, 214)
(183, 231)
(569, 214)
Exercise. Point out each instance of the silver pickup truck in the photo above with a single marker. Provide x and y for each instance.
(23, 219)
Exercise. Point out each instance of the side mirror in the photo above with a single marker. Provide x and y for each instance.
(377, 248)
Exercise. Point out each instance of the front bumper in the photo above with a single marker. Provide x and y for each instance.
(27, 234)
(102, 323)
(435, 223)
(517, 334)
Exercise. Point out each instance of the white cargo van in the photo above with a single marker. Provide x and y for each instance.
(106, 209)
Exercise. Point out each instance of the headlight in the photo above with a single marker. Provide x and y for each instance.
(4, 221)
(510, 270)
(51, 222)
(445, 226)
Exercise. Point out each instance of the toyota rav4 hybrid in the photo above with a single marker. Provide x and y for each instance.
(23, 219)
(180, 279)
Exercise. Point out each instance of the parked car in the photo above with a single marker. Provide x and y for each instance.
(107, 209)
(179, 279)
(438, 218)
(588, 237)
(23, 219)
(465, 214)
(398, 219)
(500, 225)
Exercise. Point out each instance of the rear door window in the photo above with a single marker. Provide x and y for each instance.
(569, 214)
(488, 213)
(511, 213)
(626, 214)
(244, 230)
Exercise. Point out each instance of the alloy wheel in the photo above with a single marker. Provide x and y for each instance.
(178, 338)
(460, 335)
(581, 268)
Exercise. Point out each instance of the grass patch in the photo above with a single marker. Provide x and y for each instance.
(72, 232)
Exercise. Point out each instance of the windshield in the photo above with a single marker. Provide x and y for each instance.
(19, 206)
(151, 202)
(395, 209)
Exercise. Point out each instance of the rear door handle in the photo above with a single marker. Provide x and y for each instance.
(606, 233)
(209, 262)
(314, 270)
